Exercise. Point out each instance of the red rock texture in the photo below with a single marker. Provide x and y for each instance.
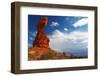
(44, 54)
(41, 40)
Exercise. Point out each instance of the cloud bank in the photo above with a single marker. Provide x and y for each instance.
(68, 42)
(81, 22)
(54, 24)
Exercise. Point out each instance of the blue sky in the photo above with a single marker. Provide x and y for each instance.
(66, 33)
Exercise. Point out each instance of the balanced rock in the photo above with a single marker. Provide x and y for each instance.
(41, 39)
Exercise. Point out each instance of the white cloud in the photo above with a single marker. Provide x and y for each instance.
(33, 34)
(81, 22)
(57, 34)
(65, 29)
(54, 24)
(84, 41)
(68, 41)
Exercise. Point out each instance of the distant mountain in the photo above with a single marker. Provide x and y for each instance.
(83, 53)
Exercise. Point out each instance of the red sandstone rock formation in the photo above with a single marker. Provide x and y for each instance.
(41, 40)
(40, 49)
